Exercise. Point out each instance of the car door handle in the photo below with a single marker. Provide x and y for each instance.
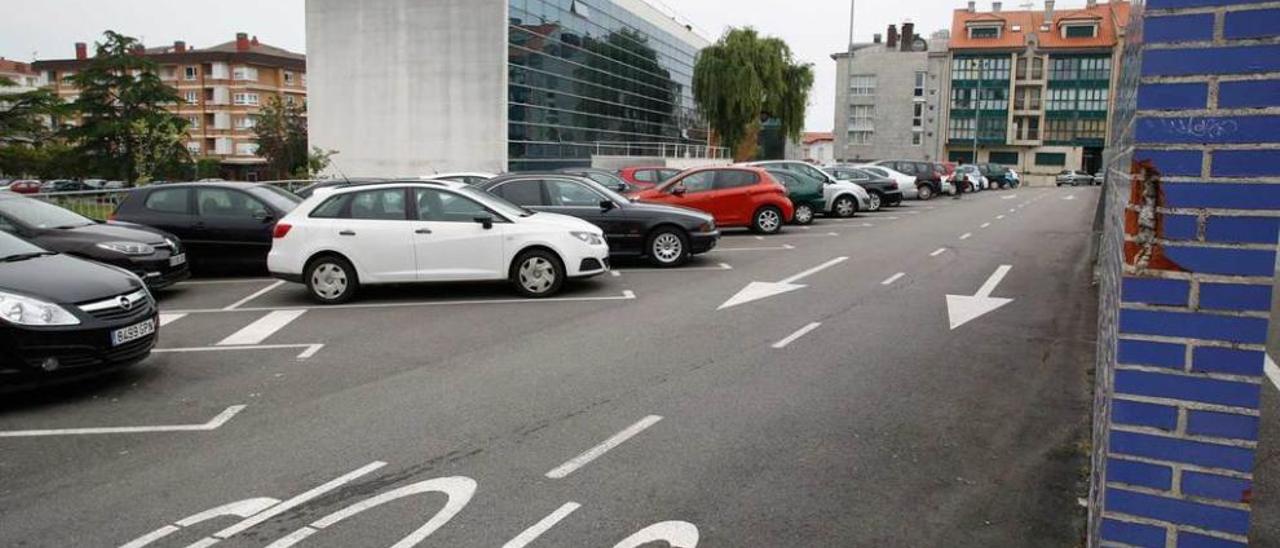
(422, 231)
(347, 233)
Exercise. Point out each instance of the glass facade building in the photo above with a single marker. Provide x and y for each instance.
(587, 73)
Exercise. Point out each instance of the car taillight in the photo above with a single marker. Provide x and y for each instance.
(112, 216)
(281, 230)
(893, 186)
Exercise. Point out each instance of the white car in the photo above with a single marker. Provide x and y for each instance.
(905, 182)
(469, 177)
(844, 198)
(429, 231)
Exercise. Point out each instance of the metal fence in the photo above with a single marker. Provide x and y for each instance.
(660, 150)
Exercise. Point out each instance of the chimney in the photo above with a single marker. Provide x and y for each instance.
(908, 36)
(82, 51)
(179, 46)
(255, 40)
(973, 6)
(892, 41)
(995, 6)
(242, 41)
(1048, 11)
(877, 38)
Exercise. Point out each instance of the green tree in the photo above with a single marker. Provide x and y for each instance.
(281, 130)
(23, 114)
(160, 150)
(122, 111)
(744, 79)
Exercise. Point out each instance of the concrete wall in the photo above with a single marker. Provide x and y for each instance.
(895, 82)
(408, 87)
(1190, 265)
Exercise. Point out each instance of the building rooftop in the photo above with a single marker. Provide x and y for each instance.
(811, 137)
(1044, 26)
(15, 67)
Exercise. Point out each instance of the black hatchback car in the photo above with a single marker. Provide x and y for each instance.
(61, 315)
(221, 224)
(883, 190)
(666, 235)
(152, 255)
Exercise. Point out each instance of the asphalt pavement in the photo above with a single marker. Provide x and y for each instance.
(832, 405)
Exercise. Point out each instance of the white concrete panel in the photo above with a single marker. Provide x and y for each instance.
(408, 87)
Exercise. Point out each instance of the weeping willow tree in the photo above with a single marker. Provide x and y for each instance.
(745, 78)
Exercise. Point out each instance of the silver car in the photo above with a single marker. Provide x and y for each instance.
(1073, 178)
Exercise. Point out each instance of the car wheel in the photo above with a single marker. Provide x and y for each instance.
(668, 247)
(844, 206)
(876, 202)
(537, 273)
(767, 220)
(803, 215)
(331, 280)
(924, 192)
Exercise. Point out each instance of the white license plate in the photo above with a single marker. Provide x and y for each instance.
(133, 332)
(178, 260)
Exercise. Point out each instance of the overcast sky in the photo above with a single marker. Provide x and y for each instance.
(815, 28)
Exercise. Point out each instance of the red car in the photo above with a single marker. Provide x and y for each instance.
(25, 186)
(735, 196)
(646, 177)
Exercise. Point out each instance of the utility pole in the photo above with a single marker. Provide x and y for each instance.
(977, 108)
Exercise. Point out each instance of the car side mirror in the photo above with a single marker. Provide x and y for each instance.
(621, 188)
(607, 205)
(678, 190)
(485, 221)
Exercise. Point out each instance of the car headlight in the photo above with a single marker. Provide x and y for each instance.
(24, 310)
(707, 227)
(589, 238)
(128, 248)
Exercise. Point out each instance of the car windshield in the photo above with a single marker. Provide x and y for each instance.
(12, 247)
(38, 214)
(278, 197)
(495, 202)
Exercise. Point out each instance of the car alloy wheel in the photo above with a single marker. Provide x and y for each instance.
(803, 215)
(537, 275)
(667, 248)
(876, 202)
(768, 220)
(925, 192)
(845, 207)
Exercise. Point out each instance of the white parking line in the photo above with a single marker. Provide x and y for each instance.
(985, 225)
(225, 281)
(1009, 197)
(966, 235)
(795, 336)
(719, 266)
(626, 295)
(893, 278)
(999, 216)
(255, 295)
(1272, 371)
(1013, 211)
(939, 251)
(166, 319)
(214, 424)
(614, 273)
(545, 524)
(782, 247)
(308, 350)
(264, 327)
(595, 452)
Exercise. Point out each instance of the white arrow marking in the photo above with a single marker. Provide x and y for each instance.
(1273, 372)
(755, 291)
(677, 534)
(214, 424)
(962, 309)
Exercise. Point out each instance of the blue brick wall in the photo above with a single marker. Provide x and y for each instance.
(1180, 360)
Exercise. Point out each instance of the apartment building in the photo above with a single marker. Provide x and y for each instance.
(1032, 89)
(23, 77)
(888, 103)
(223, 89)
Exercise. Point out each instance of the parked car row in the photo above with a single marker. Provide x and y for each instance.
(33, 186)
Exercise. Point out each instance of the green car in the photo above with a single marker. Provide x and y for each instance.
(805, 193)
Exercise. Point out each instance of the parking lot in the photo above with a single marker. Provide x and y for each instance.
(802, 389)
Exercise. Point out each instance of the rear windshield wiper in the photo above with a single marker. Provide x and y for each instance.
(25, 256)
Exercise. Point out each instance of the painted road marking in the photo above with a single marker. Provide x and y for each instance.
(166, 319)
(308, 350)
(966, 235)
(255, 295)
(258, 331)
(1070, 197)
(627, 295)
(457, 489)
(755, 291)
(804, 228)
(796, 336)
(1013, 211)
(893, 278)
(719, 266)
(614, 273)
(1009, 197)
(782, 247)
(676, 534)
(998, 217)
(545, 524)
(595, 452)
(226, 281)
(294, 502)
(962, 309)
(985, 225)
(214, 424)
(1273, 372)
(938, 251)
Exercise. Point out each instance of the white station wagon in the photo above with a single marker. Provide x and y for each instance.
(429, 231)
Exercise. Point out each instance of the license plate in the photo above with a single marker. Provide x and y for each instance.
(178, 260)
(133, 332)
